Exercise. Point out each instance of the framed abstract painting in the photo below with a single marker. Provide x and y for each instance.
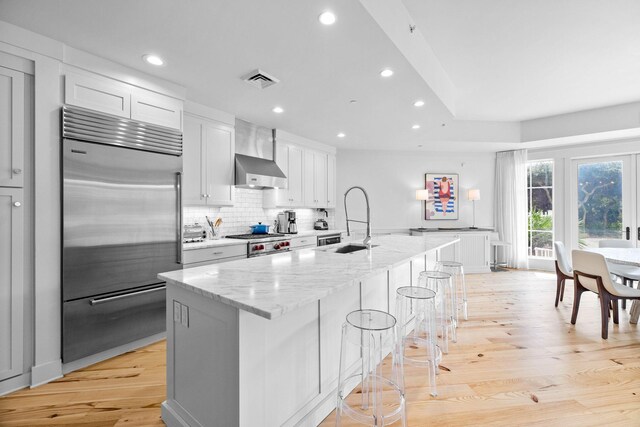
(444, 187)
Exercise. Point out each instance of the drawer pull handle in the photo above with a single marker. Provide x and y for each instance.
(218, 253)
(97, 301)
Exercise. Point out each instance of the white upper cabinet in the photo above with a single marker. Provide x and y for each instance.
(289, 159)
(331, 181)
(208, 162)
(220, 154)
(157, 109)
(12, 128)
(310, 177)
(315, 172)
(120, 99)
(295, 177)
(100, 94)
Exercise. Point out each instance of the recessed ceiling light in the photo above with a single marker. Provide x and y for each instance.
(415, 127)
(153, 60)
(418, 103)
(341, 135)
(278, 110)
(386, 72)
(327, 18)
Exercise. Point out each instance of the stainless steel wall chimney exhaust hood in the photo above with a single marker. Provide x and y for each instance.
(255, 158)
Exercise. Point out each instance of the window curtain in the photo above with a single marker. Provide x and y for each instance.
(511, 206)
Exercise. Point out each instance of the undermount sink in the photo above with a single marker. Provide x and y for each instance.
(347, 249)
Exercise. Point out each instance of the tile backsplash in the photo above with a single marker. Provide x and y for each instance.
(247, 211)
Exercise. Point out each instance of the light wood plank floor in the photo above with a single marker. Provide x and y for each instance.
(518, 361)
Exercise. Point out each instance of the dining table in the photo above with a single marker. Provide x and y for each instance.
(625, 256)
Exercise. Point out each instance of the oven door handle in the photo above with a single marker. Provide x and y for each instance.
(96, 301)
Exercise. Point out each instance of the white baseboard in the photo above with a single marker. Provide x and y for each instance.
(108, 354)
(46, 372)
(16, 383)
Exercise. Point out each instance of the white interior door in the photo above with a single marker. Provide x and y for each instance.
(603, 200)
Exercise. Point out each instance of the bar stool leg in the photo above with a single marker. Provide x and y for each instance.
(465, 311)
(340, 373)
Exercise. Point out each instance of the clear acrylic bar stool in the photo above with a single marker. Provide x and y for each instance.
(442, 284)
(456, 269)
(369, 392)
(417, 336)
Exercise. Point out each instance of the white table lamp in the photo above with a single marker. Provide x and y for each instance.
(422, 195)
(474, 194)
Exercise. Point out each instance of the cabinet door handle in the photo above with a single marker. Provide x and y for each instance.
(628, 233)
(17, 204)
(17, 171)
(217, 253)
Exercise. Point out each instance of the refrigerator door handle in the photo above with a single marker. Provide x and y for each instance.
(96, 301)
(179, 213)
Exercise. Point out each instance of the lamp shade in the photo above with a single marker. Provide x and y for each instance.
(422, 194)
(474, 194)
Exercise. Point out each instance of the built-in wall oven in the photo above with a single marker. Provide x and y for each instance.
(122, 222)
(329, 239)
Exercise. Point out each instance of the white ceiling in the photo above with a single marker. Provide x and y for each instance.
(517, 60)
(508, 61)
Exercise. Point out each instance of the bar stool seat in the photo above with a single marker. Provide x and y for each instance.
(417, 336)
(367, 393)
(456, 269)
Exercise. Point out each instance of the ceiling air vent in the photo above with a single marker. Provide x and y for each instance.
(260, 79)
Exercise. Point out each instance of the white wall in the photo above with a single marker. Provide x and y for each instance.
(392, 177)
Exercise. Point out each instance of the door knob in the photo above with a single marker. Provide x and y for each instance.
(17, 171)
(17, 204)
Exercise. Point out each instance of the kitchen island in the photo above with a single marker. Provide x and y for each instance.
(256, 342)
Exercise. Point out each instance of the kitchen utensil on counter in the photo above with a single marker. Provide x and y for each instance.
(214, 227)
(260, 228)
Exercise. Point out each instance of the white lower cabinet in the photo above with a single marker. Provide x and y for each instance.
(473, 250)
(301, 242)
(208, 162)
(11, 281)
(213, 255)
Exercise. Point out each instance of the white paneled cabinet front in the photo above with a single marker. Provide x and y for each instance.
(315, 179)
(12, 128)
(472, 250)
(11, 281)
(120, 99)
(331, 181)
(208, 162)
(97, 93)
(157, 109)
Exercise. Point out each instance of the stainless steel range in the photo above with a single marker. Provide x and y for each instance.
(264, 244)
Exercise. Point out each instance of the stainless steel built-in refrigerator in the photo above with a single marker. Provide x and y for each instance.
(121, 212)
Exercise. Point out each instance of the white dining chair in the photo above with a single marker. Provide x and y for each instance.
(591, 273)
(563, 269)
(627, 273)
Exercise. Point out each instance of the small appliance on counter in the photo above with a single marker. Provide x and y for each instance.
(282, 223)
(194, 233)
(321, 224)
(290, 222)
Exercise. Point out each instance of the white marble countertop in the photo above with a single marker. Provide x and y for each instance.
(626, 256)
(274, 285)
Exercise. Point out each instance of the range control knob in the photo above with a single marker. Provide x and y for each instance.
(276, 246)
(261, 247)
